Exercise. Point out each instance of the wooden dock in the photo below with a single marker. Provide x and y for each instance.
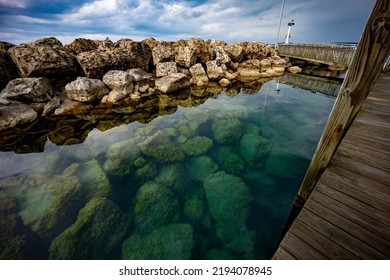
(347, 216)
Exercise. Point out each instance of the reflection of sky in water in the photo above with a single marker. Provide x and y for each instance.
(213, 181)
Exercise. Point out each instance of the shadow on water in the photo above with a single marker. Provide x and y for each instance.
(201, 174)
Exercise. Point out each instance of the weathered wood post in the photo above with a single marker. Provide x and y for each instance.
(368, 61)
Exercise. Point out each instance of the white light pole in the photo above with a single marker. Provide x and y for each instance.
(289, 30)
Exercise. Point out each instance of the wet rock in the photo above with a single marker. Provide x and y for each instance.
(165, 68)
(67, 107)
(174, 177)
(51, 106)
(194, 210)
(185, 56)
(80, 45)
(214, 71)
(44, 58)
(253, 147)
(146, 172)
(14, 113)
(142, 79)
(155, 206)
(8, 69)
(228, 200)
(28, 90)
(295, 69)
(200, 167)
(197, 145)
(227, 131)
(221, 254)
(172, 242)
(265, 64)
(120, 83)
(230, 161)
(86, 90)
(172, 82)
(100, 226)
(224, 82)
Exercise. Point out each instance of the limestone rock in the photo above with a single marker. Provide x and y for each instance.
(257, 50)
(197, 145)
(230, 161)
(174, 177)
(214, 71)
(185, 56)
(86, 90)
(8, 69)
(172, 242)
(224, 82)
(28, 90)
(120, 83)
(198, 74)
(80, 45)
(44, 58)
(235, 51)
(100, 226)
(227, 131)
(14, 113)
(141, 52)
(295, 69)
(163, 52)
(50, 106)
(155, 206)
(173, 82)
(165, 68)
(201, 49)
(253, 147)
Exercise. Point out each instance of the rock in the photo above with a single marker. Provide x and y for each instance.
(141, 52)
(120, 83)
(28, 90)
(5, 46)
(221, 254)
(261, 183)
(8, 69)
(257, 50)
(163, 52)
(235, 51)
(80, 45)
(221, 57)
(201, 49)
(185, 56)
(265, 64)
(295, 69)
(155, 206)
(165, 68)
(286, 165)
(14, 113)
(100, 226)
(146, 172)
(194, 210)
(174, 177)
(224, 82)
(197, 145)
(198, 74)
(172, 242)
(142, 79)
(227, 131)
(86, 90)
(228, 201)
(253, 147)
(250, 69)
(120, 157)
(173, 82)
(200, 167)
(66, 107)
(44, 58)
(230, 161)
(214, 71)
(51, 106)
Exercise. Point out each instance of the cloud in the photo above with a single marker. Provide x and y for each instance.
(14, 3)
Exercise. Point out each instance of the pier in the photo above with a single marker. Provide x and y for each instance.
(343, 204)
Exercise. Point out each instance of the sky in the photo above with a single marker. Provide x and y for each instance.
(316, 21)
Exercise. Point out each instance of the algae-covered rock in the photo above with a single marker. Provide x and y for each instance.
(194, 210)
(146, 172)
(172, 242)
(227, 131)
(286, 165)
(174, 177)
(228, 201)
(121, 157)
(253, 147)
(200, 167)
(155, 206)
(260, 182)
(197, 145)
(221, 254)
(230, 161)
(100, 226)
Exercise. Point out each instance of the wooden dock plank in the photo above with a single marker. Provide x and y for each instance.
(282, 254)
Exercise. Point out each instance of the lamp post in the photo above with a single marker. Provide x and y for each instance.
(289, 30)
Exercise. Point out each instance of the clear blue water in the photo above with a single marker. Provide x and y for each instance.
(216, 181)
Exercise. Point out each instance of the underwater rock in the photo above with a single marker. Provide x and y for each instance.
(283, 124)
(197, 145)
(161, 148)
(230, 161)
(243, 245)
(120, 157)
(173, 82)
(174, 177)
(286, 165)
(194, 210)
(221, 254)
(155, 206)
(86, 90)
(100, 226)
(146, 172)
(253, 147)
(172, 242)
(14, 113)
(228, 201)
(227, 131)
(260, 182)
(200, 167)
(28, 90)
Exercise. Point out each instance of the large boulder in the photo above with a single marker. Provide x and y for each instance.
(253, 147)
(80, 45)
(44, 58)
(197, 145)
(15, 113)
(120, 83)
(28, 90)
(214, 71)
(100, 226)
(86, 90)
(163, 52)
(155, 206)
(8, 69)
(165, 68)
(235, 51)
(199, 76)
(174, 177)
(201, 167)
(172, 242)
(185, 56)
(142, 80)
(228, 200)
(142, 53)
(227, 131)
(173, 82)
(230, 161)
